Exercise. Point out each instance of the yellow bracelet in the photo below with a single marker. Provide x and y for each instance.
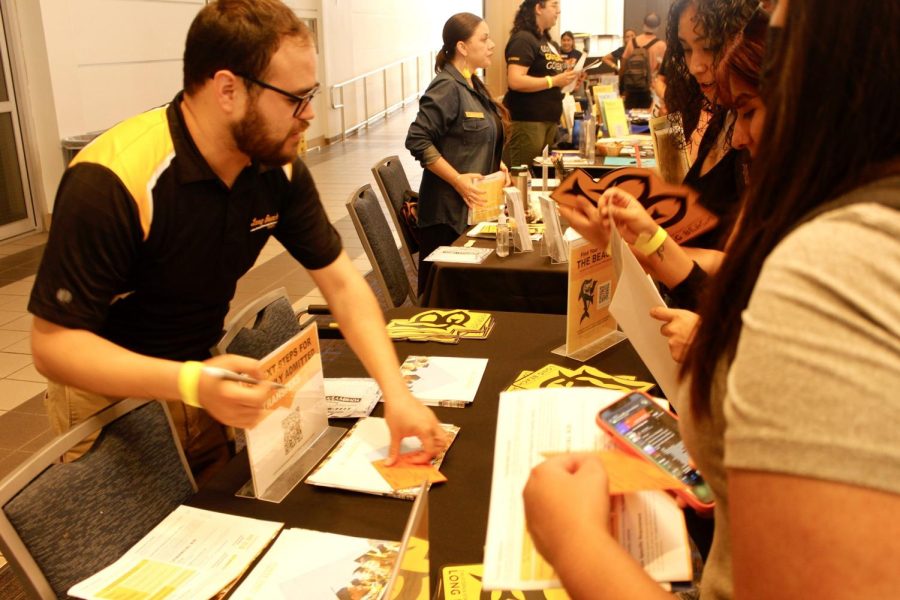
(549, 82)
(189, 382)
(648, 244)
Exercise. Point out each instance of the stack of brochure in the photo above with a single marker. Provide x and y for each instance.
(350, 466)
(459, 254)
(488, 230)
(192, 553)
(351, 397)
(443, 380)
(555, 376)
(446, 326)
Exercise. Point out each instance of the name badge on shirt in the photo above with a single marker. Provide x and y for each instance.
(474, 115)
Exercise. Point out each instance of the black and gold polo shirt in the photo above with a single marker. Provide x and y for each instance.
(147, 243)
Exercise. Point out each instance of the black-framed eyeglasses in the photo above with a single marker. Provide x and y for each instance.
(302, 100)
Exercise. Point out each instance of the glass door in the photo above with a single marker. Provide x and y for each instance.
(16, 208)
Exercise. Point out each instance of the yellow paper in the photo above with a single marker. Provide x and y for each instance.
(614, 117)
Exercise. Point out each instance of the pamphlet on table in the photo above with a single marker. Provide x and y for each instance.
(446, 326)
(556, 376)
(463, 582)
(443, 380)
(320, 566)
(351, 397)
(532, 424)
(349, 466)
(192, 554)
(459, 254)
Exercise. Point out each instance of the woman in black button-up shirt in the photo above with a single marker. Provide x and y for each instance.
(457, 135)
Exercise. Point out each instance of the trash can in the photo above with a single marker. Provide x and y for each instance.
(72, 145)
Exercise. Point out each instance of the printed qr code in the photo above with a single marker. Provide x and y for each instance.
(292, 429)
(603, 294)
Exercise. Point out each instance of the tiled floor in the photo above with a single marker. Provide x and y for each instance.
(338, 170)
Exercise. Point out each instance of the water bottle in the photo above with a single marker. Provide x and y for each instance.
(502, 233)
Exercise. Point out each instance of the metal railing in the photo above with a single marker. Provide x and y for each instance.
(337, 91)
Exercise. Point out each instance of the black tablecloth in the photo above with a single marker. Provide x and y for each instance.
(520, 282)
(459, 508)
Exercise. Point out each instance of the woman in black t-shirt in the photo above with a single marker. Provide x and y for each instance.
(535, 73)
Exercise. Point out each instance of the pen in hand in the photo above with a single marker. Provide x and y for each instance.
(225, 374)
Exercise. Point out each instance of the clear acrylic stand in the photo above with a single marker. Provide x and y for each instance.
(592, 350)
(299, 468)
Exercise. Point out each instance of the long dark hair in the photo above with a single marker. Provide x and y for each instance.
(525, 19)
(720, 21)
(459, 28)
(819, 142)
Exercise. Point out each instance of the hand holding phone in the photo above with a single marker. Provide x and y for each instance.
(640, 426)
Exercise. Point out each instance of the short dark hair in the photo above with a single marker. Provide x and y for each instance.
(651, 21)
(567, 34)
(238, 35)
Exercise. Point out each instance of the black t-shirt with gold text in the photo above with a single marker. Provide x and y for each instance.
(542, 59)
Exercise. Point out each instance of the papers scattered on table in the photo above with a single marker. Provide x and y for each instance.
(556, 376)
(445, 326)
(351, 397)
(318, 566)
(349, 466)
(192, 554)
(443, 380)
(489, 230)
(533, 423)
(408, 471)
(459, 254)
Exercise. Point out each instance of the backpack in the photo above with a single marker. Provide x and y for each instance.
(636, 72)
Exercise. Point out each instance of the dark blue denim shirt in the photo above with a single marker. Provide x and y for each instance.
(462, 126)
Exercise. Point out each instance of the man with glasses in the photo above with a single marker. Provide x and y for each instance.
(157, 219)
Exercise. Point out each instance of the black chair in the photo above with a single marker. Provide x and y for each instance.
(378, 242)
(61, 523)
(395, 188)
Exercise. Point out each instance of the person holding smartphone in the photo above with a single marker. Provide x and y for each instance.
(788, 404)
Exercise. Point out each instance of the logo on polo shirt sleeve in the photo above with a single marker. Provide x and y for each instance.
(266, 222)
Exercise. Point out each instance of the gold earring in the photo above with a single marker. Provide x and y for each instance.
(467, 73)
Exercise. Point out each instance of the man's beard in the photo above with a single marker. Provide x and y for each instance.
(250, 136)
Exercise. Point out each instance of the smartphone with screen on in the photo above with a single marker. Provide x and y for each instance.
(642, 427)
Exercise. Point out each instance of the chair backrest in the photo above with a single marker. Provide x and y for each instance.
(60, 523)
(378, 242)
(394, 185)
(260, 327)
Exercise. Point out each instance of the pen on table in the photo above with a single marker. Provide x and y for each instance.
(227, 375)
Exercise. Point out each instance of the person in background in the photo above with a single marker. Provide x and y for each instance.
(698, 34)
(738, 81)
(788, 404)
(614, 58)
(535, 73)
(457, 135)
(157, 219)
(636, 89)
(567, 49)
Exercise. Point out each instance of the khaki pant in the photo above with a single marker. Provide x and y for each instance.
(527, 139)
(203, 439)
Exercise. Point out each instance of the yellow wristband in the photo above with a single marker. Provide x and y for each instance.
(549, 82)
(189, 382)
(648, 244)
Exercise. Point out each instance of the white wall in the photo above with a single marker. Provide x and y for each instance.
(363, 35)
(92, 63)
